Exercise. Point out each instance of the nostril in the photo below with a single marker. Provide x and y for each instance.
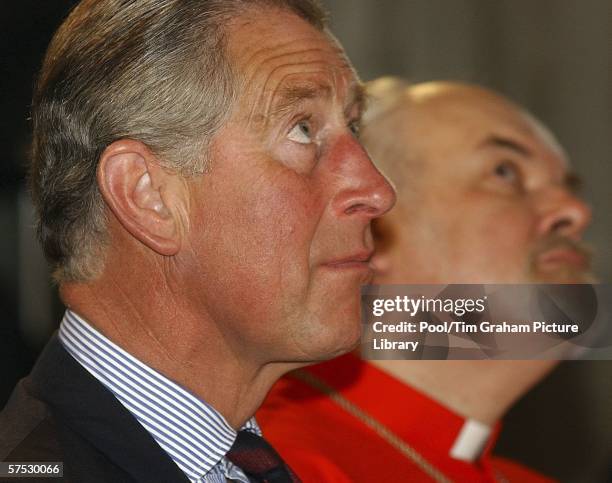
(359, 207)
(560, 225)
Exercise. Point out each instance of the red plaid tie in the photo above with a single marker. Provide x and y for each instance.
(259, 460)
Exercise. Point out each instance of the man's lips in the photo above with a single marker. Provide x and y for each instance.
(563, 256)
(358, 260)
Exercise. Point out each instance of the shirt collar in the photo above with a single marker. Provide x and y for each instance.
(193, 433)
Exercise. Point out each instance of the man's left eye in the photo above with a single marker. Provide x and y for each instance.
(355, 128)
(301, 133)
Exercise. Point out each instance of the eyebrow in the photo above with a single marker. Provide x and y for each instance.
(572, 181)
(291, 95)
(507, 143)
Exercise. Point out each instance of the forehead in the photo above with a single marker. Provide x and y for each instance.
(470, 122)
(272, 48)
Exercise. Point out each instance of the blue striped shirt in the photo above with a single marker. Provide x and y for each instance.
(193, 434)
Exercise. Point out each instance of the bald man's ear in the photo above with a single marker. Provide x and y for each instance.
(141, 195)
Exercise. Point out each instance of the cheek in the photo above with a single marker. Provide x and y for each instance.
(260, 235)
(508, 225)
(496, 240)
(277, 215)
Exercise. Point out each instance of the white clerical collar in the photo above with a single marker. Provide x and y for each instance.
(470, 441)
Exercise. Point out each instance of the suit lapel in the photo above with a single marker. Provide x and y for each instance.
(87, 407)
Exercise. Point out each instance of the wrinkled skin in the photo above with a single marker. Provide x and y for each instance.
(285, 239)
(488, 198)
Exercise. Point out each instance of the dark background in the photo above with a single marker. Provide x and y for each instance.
(552, 56)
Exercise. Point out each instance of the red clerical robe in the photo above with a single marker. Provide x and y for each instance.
(397, 434)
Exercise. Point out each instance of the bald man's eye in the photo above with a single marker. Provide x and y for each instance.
(301, 133)
(508, 171)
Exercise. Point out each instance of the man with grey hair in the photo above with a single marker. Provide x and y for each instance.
(201, 193)
(485, 195)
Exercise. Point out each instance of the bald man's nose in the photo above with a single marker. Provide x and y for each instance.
(565, 215)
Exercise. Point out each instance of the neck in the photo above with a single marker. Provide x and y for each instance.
(155, 324)
(479, 390)
(482, 390)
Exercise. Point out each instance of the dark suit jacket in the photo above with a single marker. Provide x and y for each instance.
(61, 413)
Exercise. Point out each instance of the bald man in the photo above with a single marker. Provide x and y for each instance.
(485, 195)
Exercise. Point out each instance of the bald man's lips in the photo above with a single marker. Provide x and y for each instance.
(563, 256)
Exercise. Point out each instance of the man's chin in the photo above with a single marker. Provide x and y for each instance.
(563, 275)
(337, 344)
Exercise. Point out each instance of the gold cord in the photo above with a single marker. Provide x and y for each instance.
(385, 433)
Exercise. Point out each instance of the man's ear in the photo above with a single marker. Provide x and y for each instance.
(141, 194)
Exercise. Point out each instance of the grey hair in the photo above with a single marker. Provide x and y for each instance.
(152, 70)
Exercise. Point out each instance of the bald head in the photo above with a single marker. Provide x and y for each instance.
(409, 126)
(483, 187)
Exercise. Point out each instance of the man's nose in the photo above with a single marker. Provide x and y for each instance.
(365, 191)
(564, 214)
